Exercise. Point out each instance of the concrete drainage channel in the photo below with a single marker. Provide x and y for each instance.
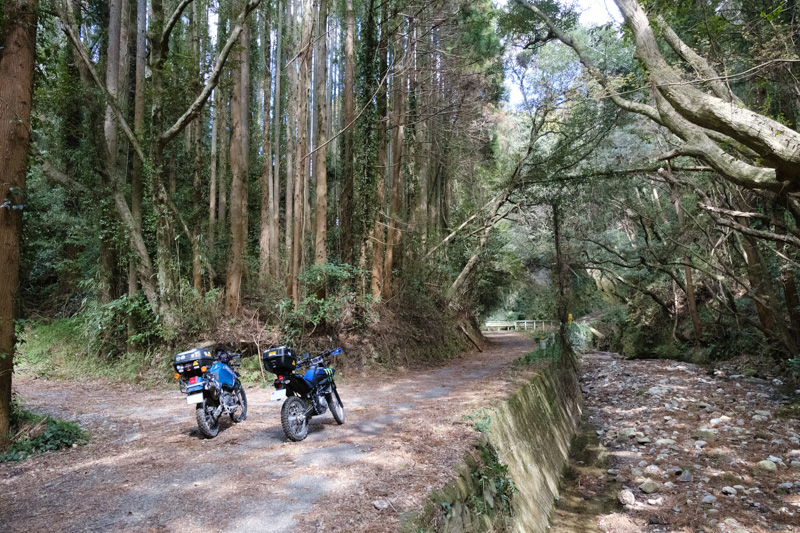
(527, 444)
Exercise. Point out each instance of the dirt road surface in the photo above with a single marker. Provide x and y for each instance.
(148, 469)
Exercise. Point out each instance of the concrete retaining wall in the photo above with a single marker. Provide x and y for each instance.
(530, 432)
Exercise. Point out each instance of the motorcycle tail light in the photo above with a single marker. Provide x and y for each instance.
(193, 380)
(280, 378)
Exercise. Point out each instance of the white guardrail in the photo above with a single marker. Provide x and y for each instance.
(518, 325)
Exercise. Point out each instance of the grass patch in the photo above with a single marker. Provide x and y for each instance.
(60, 349)
(480, 420)
(551, 353)
(32, 434)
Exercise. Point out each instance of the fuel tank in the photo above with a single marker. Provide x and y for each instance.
(226, 376)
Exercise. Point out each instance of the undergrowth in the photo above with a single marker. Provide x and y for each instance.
(497, 489)
(31, 434)
(61, 349)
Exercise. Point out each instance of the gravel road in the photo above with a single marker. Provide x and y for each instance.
(148, 469)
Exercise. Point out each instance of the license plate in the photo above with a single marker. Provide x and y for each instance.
(278, 395)
(194, 398)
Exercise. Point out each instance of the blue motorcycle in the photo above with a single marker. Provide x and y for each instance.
(211, 383)
(308, 394)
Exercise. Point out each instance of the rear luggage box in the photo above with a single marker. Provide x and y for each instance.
(195, 358)
(280, 360)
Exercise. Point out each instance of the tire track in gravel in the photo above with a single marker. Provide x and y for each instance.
(148, 469)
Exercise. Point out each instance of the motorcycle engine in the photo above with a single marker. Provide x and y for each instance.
(227, 400)
(320, 404)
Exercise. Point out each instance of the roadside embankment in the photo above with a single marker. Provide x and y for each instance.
(525, 444)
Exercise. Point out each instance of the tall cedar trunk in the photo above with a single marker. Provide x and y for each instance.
(238, 132)
(346, 201)
(197, 191)
(107, 260)
(291, 140)
(267, 192)
(690, 296)
(212, 195)
(17, 59)
(137, 190)
(320, 165)
(245, 43)
(301, 152)
(274, 253)
(164, 229)
(378, 230)
(398, 137)
(144, 265)
(222, 173)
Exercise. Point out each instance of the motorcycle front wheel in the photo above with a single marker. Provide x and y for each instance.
(240, 413)
(206, 421)
(337, 409)
(293, 418)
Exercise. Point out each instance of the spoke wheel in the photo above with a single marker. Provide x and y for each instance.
(293, 418)
(337, 409)
(206, 421)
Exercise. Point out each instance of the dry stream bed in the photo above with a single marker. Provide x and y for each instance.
(673, 447)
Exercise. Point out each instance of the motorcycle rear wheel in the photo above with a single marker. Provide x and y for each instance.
(335, 404)
(206, 422)
(240, 413)
(293, 419)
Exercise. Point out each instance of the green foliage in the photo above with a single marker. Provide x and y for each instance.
(328, 293)
(328, 277)
(62, 349)
(551, 352)
(481, 420)
(39, 434)
(793, 367)
(493, 477)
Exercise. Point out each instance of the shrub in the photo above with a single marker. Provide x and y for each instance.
(42, 434)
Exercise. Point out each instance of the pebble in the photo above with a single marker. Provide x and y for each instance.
(729, 491)
(708, 498)
(768, 465)
(381, 504)
(649, 487)
(626, 497)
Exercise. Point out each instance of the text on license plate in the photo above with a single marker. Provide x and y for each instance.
(194, 398)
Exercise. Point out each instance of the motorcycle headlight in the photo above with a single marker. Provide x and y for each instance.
(179, 368)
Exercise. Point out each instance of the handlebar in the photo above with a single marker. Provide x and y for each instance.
(307, 360)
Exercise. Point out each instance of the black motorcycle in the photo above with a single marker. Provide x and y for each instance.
(307, 395)
(211, 383)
